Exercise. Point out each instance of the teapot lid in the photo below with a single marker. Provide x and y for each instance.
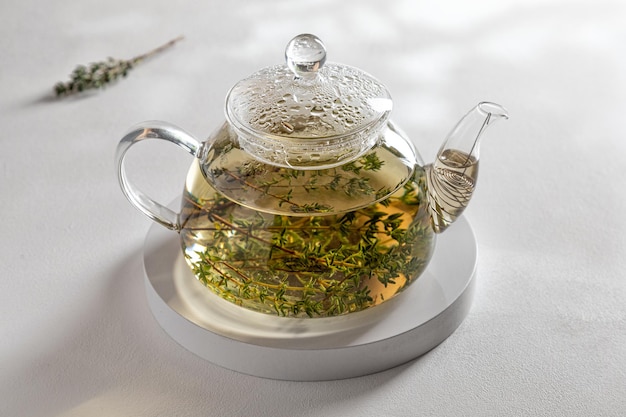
(308, 113)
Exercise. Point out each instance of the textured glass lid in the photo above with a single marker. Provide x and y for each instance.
(307, 98)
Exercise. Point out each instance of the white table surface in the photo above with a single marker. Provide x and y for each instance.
(547, 332)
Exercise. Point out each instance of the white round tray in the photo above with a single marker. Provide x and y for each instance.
(373, 340)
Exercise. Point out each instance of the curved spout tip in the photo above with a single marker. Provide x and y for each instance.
(495, 111)
(452, 177)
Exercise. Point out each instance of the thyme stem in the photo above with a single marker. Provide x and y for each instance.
(157, 50)
(247, 183)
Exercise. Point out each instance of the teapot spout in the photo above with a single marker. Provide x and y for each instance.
(452, 177)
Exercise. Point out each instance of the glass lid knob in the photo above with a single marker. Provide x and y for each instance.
(305, 55)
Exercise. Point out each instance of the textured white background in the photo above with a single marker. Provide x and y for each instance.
(547, 332)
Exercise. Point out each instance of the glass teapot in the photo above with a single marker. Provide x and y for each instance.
(308, 201)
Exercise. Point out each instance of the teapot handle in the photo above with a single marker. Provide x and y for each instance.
(152, 130)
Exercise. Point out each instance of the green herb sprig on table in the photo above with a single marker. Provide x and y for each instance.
(100, 74)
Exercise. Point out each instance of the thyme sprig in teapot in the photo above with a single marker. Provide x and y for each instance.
(100, 74)
(328, 263)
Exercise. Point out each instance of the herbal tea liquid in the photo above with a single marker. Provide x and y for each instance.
(293, 257)
(451, 183)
